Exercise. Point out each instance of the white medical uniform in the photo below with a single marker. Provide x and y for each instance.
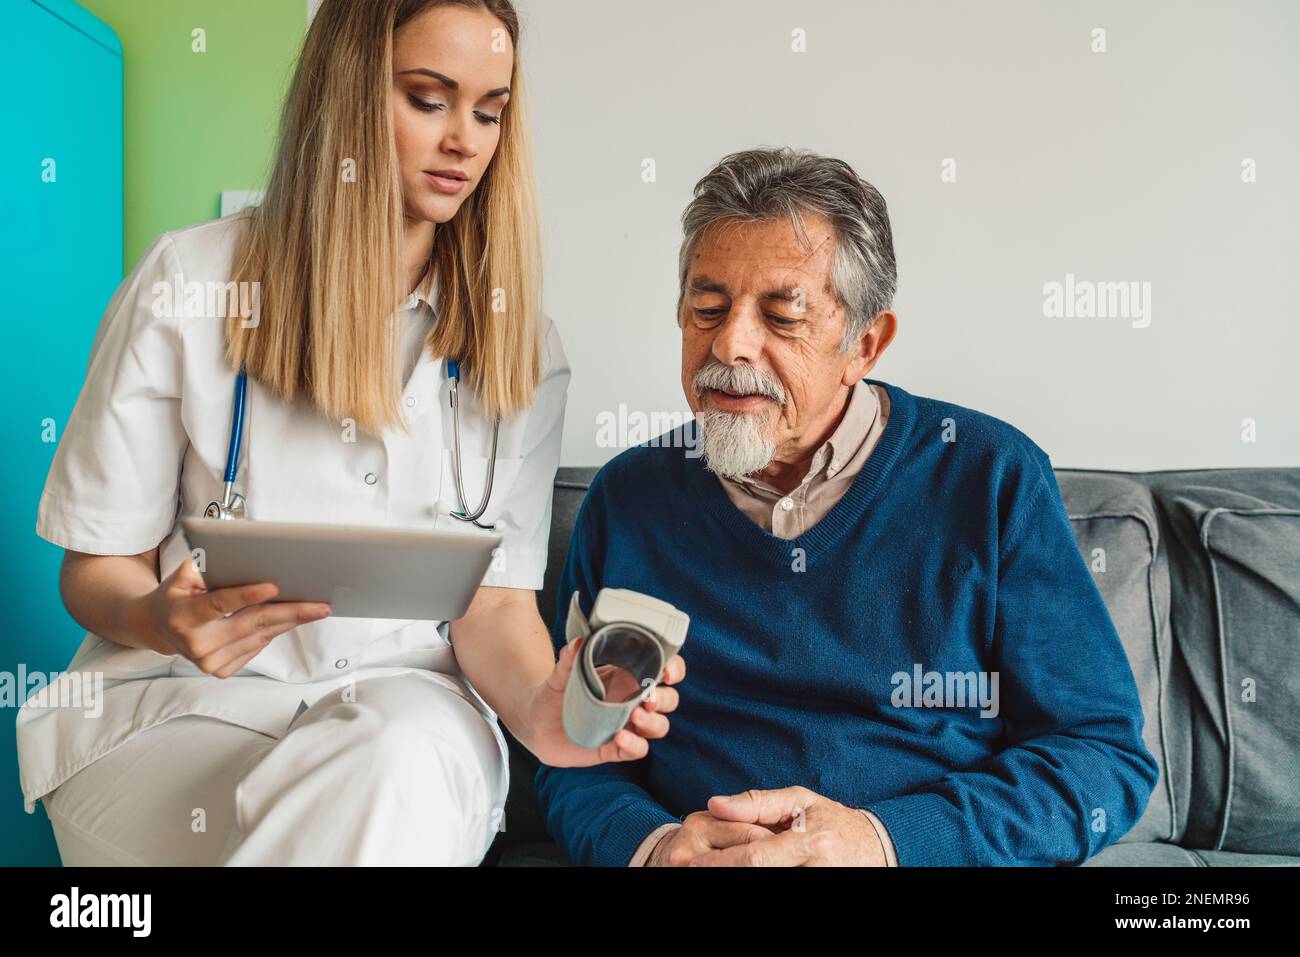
(395, 759)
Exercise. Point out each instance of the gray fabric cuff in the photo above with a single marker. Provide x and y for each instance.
(633, 631)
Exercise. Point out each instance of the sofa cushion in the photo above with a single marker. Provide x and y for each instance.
(1130, 854)
(1236, 621)
(1115, 524)
(1144, 854)
(1235, 859)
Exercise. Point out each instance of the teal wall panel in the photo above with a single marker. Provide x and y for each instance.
(61, 191)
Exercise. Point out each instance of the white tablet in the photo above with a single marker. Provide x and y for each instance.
(363, 571)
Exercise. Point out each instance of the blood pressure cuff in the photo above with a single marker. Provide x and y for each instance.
(634, 632)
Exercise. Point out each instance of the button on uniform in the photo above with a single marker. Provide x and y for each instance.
(371, 478)
(787, 504)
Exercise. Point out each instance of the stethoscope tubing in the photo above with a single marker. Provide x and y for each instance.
(239, 411)
(453, 373)
(236, 433)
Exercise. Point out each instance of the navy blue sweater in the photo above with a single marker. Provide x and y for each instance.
(951, 552)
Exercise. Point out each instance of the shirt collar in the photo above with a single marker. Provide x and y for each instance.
(863, 407)
(833, 454)
(424, 292)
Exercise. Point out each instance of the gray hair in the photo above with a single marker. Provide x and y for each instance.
(768, 184)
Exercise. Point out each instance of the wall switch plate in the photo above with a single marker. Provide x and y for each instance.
(233, 200)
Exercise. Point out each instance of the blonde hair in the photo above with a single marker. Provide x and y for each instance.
(327, 253)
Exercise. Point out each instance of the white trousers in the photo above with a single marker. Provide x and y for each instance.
(408, 773)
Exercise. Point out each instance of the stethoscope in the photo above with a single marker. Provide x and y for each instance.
(232, 504)
(453, 373)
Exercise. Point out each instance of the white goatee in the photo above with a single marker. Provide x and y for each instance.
(737, 443)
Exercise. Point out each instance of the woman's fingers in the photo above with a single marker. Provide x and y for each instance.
(675, 671)
(236, 665)
(230, 658)
(260, 618)
(630, 743)
(186, 579)
(241, 636)
(237, 654)
(663, 699)
(215, 605)
(225, 660)
(624, 746)
(563, 670)
(648, 724)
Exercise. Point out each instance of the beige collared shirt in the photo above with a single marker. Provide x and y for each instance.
(835, 464)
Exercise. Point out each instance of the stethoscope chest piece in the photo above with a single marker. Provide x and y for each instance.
(231, 508)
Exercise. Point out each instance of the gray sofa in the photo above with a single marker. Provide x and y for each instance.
(1201, 573)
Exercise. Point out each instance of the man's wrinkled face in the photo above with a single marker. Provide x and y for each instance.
(761, 336)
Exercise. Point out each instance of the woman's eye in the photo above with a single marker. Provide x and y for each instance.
(783, 321)
(424, 106)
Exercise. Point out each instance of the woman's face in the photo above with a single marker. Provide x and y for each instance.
(451, 80)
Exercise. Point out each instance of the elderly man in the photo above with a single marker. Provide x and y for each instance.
(897, 655)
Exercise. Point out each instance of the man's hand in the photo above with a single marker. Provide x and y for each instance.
(702, 833)
(813, 831)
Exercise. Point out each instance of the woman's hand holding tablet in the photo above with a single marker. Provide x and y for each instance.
(221, 630)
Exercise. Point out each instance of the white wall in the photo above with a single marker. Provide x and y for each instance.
(1123, 165)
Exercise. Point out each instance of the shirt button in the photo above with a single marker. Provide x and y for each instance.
(410, 402)
(341, 663)
(371, 478)
(786, 504)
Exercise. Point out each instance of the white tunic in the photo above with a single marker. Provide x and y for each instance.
(147, 442)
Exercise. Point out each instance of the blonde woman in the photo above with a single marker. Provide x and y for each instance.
(398, 231)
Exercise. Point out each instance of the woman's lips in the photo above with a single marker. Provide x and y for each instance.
(445, 184)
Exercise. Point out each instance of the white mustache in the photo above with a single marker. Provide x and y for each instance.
(744, 379)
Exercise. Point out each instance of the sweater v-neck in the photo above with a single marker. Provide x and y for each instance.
(845, 514)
